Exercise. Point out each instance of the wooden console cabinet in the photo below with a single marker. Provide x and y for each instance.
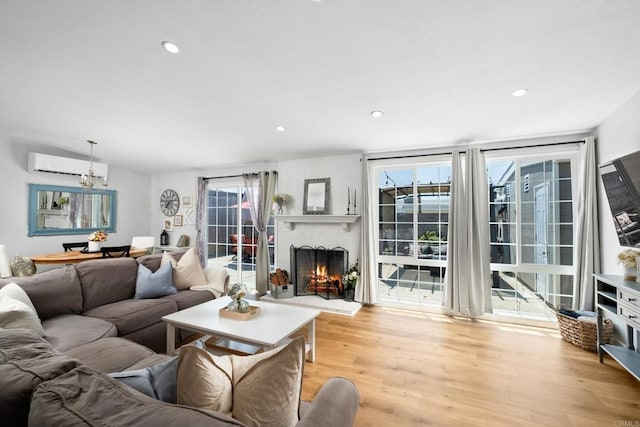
(619, 299)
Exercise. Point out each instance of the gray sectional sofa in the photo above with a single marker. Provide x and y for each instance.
(93, 327)
(84, 302)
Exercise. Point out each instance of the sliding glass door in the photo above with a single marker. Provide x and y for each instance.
(531, 213)
(231, 236)
(412, 228)
(531, 221)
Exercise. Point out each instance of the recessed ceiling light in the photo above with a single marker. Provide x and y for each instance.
(170, 47)
(280, 128)
(519, 92)
(376, 113)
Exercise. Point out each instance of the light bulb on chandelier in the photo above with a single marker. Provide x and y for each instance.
(90, 180)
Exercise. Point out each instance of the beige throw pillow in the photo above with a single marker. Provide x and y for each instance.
(17, 310)
(187, 272)
(262, 390)
(204, 380)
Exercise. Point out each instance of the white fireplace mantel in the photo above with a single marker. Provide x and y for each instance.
(291, 220)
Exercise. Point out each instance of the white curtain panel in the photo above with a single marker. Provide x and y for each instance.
(468, 275)
(587, 244)
(201, 198)
(260, 189)
(366, 286)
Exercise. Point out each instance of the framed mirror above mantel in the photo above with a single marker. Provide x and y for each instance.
(60, 210)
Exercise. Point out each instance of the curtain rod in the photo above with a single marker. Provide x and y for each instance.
(408, 156)
(533, 145)
(220, 177)
(232, 176)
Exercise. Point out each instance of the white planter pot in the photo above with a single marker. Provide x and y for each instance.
(94, 246)
(629, 273)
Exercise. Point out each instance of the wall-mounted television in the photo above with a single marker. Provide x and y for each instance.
(621, 179)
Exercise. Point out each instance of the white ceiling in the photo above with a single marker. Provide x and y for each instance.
(442, 71)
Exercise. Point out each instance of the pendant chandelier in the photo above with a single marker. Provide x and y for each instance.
(90, 180)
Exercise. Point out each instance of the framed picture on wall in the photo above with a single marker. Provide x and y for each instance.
(168, 225)
(187, 201)
(177, 220)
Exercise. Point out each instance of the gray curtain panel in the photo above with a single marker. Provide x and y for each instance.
(260, 188)
(201, 244)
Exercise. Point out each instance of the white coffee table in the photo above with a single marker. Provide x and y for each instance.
(269, 329)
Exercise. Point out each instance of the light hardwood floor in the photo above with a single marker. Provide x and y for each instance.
(415, 368)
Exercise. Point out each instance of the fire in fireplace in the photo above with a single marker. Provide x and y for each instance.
(319, 271)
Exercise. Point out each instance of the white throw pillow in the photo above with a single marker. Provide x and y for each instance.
(17, 310)
(259, 390)
(187, 272)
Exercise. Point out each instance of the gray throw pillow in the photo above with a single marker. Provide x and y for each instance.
(154, 285)
(157, 381)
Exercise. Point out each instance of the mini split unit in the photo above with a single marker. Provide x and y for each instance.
(65, 166)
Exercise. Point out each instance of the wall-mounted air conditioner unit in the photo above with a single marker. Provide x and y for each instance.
(39, 162)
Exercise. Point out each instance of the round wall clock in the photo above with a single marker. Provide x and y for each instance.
(169, 202)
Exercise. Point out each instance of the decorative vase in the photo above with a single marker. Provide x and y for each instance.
(280, 210)
(629, 273)
(350, 291)
(94, 246)
(238, 305)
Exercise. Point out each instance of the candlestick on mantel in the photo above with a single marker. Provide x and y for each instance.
(348, 199)
(354, 201)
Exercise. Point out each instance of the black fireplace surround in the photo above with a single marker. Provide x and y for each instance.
(319, 271)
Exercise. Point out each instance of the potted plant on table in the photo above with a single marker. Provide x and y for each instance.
(95, 240)
(628, 259)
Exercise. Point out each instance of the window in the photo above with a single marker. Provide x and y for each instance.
(412, 225)
(231, 236)
(531, 211)
(531, 227)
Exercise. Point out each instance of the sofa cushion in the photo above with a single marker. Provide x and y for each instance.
(71, 330)
(113, 354)
(104, 281)
(152, 262)
(133, 314)
(17, 311)
(26, 360)
(86, 397)
(45, 290)
(187, 271)
(260, 390)
(156, 284)
(157, 381)
(185, 299)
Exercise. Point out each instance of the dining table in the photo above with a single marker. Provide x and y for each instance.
(75, 256)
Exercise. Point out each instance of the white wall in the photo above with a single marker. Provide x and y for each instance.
(616, 136)
(344, 172)
(186, 184)
(132, 199)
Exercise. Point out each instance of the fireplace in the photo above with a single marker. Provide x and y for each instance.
(319, 271)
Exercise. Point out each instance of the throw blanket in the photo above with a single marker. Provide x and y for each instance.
(217, 281)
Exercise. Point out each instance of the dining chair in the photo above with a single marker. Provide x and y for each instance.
(115, 251)
(71, 246)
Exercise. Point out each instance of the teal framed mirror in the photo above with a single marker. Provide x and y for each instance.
(59, 210)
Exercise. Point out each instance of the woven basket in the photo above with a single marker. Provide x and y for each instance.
(583, 334)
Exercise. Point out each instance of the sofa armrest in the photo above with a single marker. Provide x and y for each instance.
(217, 280)
(335, 405)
